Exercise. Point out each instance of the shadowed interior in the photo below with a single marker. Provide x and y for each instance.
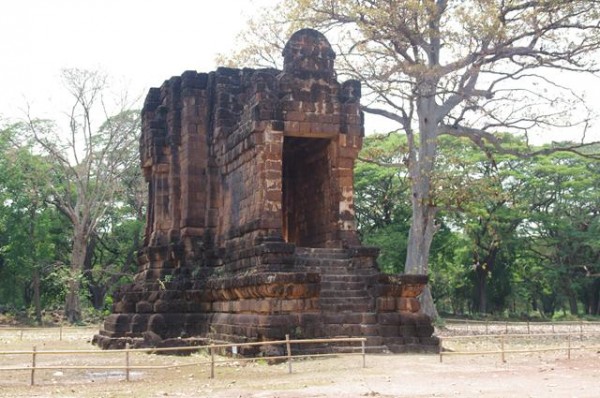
(306, 206)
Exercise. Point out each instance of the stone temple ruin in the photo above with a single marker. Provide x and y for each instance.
(250, 231)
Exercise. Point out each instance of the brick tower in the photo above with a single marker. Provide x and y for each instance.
(250, 230)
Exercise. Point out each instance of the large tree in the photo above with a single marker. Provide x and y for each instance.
(30, 247)
(113, 249)
(381, 191)
(467, 68)
(88, 162)
(562, 228)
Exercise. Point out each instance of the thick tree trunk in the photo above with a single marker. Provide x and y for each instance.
(78, 256)
(549, 304)
(481, 289)
(73, 304)
(482, 273)
(573, 304)
(427, 303)
(420, 237)
(97, 293)
(420, 168)
(37, 305)
(594, 308)
(36, 295)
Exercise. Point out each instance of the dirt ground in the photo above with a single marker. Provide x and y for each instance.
(545, 374)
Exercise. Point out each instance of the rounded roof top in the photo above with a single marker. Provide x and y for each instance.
(308, 50)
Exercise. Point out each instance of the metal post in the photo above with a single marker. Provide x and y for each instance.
(212, 361)
(552, 327)
(581, 330)
(441, 349)
(33, 365)
(127, 361)
(60, 332)
(289, 352)
(487, 323)
(21, 338)
(506, 327)
(502, 348)
(528, 328)
(569, 346)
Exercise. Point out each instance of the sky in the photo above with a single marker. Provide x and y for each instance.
(139, 43)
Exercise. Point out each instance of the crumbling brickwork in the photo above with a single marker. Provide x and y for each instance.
(250, 231)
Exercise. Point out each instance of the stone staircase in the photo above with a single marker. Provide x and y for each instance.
(347, 299)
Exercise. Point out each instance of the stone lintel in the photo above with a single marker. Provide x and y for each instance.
(310, 134)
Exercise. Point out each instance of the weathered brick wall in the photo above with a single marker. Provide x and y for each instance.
(175, 155)
(238, 148)
(213, 151)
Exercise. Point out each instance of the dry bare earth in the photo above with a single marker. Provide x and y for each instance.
(547, 374)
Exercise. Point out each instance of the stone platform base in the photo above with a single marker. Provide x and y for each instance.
(325, 293)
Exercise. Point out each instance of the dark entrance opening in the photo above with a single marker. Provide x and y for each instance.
(306, 185)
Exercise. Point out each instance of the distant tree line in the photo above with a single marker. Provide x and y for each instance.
(71, 202)
(515, 236)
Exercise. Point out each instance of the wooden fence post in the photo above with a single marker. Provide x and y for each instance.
(363, 354)
(33, 365)
(289, 352)
(127, 361)
(212, 361)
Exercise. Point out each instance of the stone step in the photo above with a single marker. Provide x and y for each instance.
(337, 308)
(345, 306)
(325, 257)
(345, 300)
(307, 252)
(344, 266)
(337, 286)
(322, 262)
(349, 273)
(336, 278)
(345, 293)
